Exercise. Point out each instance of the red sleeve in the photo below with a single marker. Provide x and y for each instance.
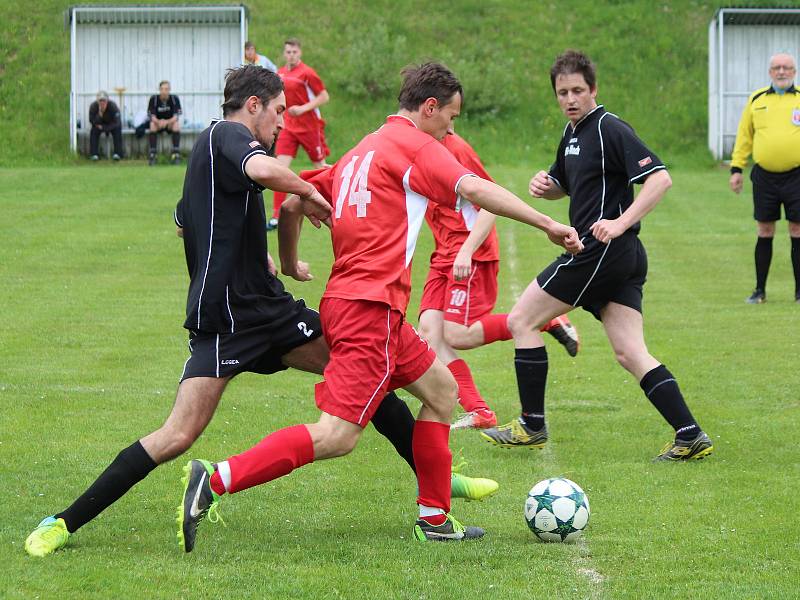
(435, 174)
(466, 155)
(322, 179)
(314, 82)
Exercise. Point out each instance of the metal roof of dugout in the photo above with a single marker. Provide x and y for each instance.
(740, 42)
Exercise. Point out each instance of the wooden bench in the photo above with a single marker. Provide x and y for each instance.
(138, 147)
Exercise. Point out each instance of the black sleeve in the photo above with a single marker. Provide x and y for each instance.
(235, 142)
(176, 105)
(113, 111)
(626, 152)
(94, 109)
(151, 107)
(557, 171)
(177, 215)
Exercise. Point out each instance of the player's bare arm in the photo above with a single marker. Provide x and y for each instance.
(653, 190)
(500, 201)
(322, 98)
(462, 265)
(544, 186)
(289, 226)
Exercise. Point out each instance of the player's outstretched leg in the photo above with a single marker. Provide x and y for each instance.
(565, 333)
(449, 530)
(198, 501)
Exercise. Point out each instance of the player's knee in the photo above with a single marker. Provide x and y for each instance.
(457, 338)
(519, 323)
(341, 442)
(172, 443)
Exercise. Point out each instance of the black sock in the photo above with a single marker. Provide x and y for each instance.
(394, 421)
(126, 470)
(531, 367)
(796, 265)
(153, 143)
(763, 260)
(662, 390)
(176, 141)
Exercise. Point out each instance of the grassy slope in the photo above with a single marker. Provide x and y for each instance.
(651, 61)
(91, 348)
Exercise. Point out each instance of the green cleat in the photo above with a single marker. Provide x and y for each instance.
(515, 435)
(695, 449)
(472, 488)
(50, 535)
(450, 530)
(198, 501)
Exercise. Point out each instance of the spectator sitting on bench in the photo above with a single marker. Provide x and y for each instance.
(104, 118)
(165, 110)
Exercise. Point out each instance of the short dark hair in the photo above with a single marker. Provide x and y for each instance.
(428, 80)
(246, 81)
(249, 44)
(160, 83)
(573, 61)
(293, 41)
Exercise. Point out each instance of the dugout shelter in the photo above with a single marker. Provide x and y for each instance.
(740, 44)
(128, 50)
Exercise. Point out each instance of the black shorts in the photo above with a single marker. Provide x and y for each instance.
(602, 273)
(770, 190)
(256, 349)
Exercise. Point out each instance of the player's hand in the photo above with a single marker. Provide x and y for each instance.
(540, 184)
(316, 208)
(273, 270)
(606, 230)
(566, 237)
(179, 232)
(462, 265)
(295, 111)
(736, 182)
(300, 272)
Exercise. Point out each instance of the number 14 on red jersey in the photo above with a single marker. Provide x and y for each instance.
(354, 189)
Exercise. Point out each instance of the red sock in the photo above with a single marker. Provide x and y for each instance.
(495, 328)
(430, 444)
(216, 483)
(548, 326)
(435, 519)
(276, 455)
(277, 199)
(468, 395)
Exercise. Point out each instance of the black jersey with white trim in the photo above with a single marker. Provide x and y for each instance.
(597, 163)
(224, 233)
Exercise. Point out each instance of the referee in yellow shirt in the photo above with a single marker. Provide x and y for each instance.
(770, 130)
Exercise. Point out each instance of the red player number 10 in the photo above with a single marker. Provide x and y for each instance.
(356, 193)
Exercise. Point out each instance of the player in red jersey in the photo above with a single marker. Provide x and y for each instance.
(461, 291)
(303, 123)
(378, 192)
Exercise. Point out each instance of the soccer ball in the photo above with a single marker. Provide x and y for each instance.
(557, 510)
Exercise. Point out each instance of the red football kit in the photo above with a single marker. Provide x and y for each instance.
(470, 300)
(379, 192)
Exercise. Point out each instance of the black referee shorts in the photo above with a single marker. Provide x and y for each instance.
(770, 190)
(602, 273)
(257, 349)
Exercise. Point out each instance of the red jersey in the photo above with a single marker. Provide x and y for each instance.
(450, 228)
(301, 85)
(379, 191)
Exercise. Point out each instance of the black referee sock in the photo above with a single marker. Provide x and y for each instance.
(531, 367)
(153, 143)
(662, 390)
(126, 470)
(763, 260)
(176, 141)
(796, 265)
(394, 421)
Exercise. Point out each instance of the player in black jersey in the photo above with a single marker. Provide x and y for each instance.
(598, 161)
(239, 316)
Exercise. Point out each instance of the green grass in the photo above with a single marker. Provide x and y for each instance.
(91, 348)
(652, 60)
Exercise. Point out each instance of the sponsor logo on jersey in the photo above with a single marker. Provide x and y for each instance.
(574, 150)
(645, 161)
(573, 140)
(254, 143)
(230, 361)
(796, 117)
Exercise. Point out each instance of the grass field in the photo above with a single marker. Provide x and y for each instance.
(91, 348)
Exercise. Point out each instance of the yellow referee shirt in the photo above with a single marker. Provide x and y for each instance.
(770, 130)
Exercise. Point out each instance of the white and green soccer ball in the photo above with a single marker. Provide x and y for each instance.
(557, 510)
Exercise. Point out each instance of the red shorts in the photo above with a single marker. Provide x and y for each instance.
(373, 351)
(312, 141)
(463, 302)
